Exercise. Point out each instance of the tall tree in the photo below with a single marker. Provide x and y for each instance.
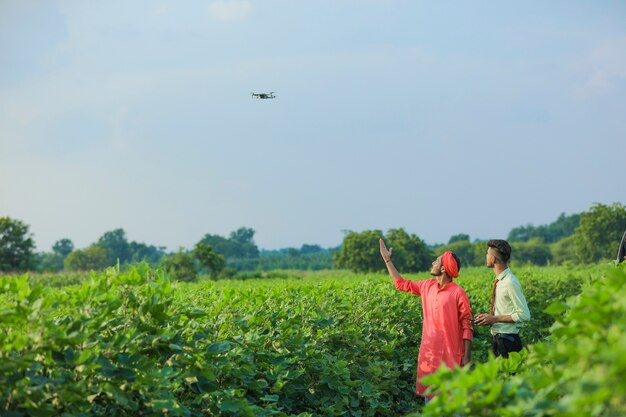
(180, 266)
(562, 227)
(63, 247)
(16, 245)
(306, 249)
(243, 235)
(92, 258)
(213, 262)
(564, 250)
(116, 246)
(409, 251)
(244, 238)
(54, 261)
(533, 251)
(522, 233)
(459, 238)
(148, 253)
(360, 251)
(600, 232)
(239, 245)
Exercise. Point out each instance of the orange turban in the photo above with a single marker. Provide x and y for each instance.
(450, 265)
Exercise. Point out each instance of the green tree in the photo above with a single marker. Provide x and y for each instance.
(16, 245)
(306, 249)
(180, 266)
(522, 233)
(49, 262)
(410, 253)
(239, 245)
(564, 250)
(359, 252)
(63, 247)
(562, 227)
(243, 236)
(213, 262)
(480, 251)
(463, 249)
(244, 239)
(600, 232)
(459, 238)
(534, 251)
(141, 252)
(92, 258)
(116, 246)
(53, 261)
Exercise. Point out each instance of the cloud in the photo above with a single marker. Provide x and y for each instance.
(162, 9)
(602, 69)
(230, 10)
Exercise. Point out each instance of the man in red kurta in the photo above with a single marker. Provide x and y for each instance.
(447, 329)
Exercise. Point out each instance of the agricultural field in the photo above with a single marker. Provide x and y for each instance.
(326, 343)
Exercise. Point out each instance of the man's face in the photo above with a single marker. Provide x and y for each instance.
(435, 270)
(490, 257)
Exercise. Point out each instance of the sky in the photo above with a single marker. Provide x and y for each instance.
(441, 117)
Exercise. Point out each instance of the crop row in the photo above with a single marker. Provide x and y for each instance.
(134, 343)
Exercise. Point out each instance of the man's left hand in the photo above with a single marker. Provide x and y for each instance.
(466, 359)
(484, 319)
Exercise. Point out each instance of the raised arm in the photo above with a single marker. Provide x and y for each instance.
(406, 285)
(386, 254)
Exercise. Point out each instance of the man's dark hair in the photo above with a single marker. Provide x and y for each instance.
(502, 248)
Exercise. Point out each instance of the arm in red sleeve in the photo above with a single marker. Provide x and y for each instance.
(406, 285)
(465, 316)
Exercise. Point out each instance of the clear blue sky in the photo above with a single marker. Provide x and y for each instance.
(441, 117)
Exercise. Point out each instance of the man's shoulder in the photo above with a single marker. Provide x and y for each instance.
(509, 276)
(513, 277)
(454, 286)
(510, 280)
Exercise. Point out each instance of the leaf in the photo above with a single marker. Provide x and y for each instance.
(270, 398)
(233, 405)
(220, 347)
(556, 308)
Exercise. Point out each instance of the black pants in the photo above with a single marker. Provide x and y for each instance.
(504, 343)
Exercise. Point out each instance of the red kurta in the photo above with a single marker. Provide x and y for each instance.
(447, 315)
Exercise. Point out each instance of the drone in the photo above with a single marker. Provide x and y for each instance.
(263, 96)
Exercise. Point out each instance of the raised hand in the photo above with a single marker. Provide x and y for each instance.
(384, 252)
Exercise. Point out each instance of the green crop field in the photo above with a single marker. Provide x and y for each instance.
(299, 344)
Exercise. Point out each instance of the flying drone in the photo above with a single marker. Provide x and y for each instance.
(263, 96)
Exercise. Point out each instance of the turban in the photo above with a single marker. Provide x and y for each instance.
(450, 265)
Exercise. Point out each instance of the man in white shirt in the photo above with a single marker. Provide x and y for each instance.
(509, 310)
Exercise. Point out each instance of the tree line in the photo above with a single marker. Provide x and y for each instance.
(213, 255)
(582, 238)
(578, 238)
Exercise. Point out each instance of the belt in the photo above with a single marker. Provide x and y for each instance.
(508, 336)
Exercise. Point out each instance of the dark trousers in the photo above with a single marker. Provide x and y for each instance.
(504, 343)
